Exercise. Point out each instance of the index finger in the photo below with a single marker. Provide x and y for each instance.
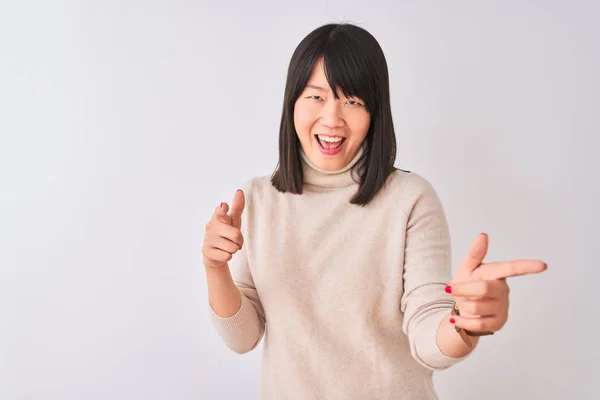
(507, 269)
(237, 208)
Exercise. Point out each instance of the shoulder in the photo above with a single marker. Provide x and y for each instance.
(409, 183)
(258, 187)
(409, 188)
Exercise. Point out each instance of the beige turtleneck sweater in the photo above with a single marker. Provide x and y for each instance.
(348, 298)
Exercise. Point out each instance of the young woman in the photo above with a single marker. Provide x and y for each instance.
(340, 260)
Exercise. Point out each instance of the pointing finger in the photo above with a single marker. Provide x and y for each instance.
(237, 208)
(506, 269)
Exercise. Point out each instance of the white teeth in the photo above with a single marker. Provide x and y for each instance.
(330, 139)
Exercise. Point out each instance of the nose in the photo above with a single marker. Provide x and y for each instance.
(331, 116)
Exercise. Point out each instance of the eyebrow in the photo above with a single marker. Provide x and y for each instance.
(316, 87)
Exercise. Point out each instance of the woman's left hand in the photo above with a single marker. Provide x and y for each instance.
(480, 289)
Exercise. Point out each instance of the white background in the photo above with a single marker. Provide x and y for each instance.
(123, 124)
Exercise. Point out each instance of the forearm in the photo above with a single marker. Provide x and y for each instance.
(223, 295)
(450, 342)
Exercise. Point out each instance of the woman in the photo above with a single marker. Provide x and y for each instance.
(339, 259)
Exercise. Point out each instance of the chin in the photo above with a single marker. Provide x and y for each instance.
(330, 163)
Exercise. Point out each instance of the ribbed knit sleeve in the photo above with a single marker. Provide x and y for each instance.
(427, 270)
(243, 331)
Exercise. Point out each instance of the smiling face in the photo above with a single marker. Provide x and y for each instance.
(330, 130)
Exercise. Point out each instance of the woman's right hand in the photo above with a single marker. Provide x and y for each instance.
(223, 236)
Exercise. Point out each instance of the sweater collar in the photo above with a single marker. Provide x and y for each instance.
(316, 176)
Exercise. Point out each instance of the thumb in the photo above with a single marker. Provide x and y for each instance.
(476, 253)
(237, 208)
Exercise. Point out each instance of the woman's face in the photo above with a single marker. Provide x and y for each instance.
(330, 130)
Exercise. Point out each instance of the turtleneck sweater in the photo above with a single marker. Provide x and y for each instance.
(348, 298)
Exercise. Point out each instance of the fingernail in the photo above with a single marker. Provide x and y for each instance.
(452, 320)
(221, 205)
(448, 289)
(239, 190)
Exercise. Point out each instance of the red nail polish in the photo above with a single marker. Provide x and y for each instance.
(221, 205)
(452, 320)
(448, 289)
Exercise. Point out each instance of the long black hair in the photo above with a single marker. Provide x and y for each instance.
(353, 62)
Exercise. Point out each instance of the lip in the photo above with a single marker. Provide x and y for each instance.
(330, 152)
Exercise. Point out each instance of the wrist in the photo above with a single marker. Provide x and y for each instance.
(218, 272)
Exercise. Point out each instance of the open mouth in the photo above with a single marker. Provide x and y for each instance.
(330, 143)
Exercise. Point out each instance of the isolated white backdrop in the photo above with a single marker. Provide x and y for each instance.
(124, 123)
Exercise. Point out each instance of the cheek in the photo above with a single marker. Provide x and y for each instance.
(303, 120)
(360, 125)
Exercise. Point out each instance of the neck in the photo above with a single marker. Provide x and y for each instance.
(316, 176)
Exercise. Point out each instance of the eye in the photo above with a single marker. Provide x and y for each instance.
(315, 97)
(354, 103)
